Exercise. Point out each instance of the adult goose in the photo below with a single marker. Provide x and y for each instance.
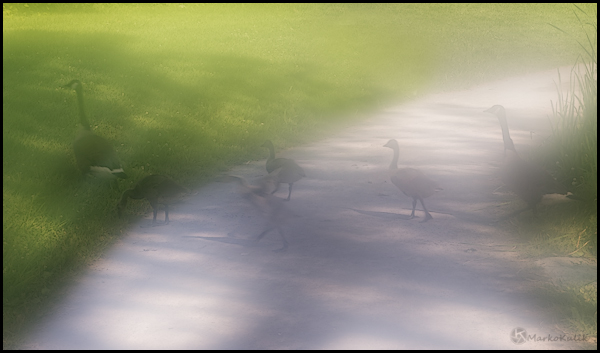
(290, 171)
(412, 182)
(261, 196)
(528, 181)
(157, 189)
(94, 154)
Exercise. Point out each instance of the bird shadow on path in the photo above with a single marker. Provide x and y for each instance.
(226, 240)
(386, 215)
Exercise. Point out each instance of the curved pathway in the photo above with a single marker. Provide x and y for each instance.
(358, 273)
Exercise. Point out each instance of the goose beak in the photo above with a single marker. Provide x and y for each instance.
(495, 109)
(71, 85)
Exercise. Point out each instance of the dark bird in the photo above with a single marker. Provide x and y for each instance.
(94, 154)
(525, 179)
(262, 198)
(157, 189)
(290, 171)
(412, 182)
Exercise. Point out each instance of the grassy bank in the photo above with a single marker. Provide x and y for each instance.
(572, 153)
(187, 90)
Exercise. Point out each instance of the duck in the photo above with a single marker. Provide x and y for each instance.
(94, 154)
(412, 182)
(527, 180)
(290, 171)
(157, 189)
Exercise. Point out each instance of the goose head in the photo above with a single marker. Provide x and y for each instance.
(500, 113)
(393, 144)
(268, 144)
(496, 110)
(74, 84)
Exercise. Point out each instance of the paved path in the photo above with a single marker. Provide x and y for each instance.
(358, 273)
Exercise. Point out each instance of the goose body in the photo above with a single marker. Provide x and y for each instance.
(157, 189)
(412, 182)
(289, 173)
(528, 181)
(94, 154)
(262, 198)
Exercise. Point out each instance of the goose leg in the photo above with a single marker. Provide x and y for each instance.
(166, 214)
(154, 205)
(267, 230)
(428, 216)
(154, 211)
(276, 188)
(290, 193)
(412, 215)
(285, 243)
(280, 231)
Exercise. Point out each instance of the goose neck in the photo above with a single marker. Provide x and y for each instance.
(124, 198)
(271, 151)
(394, 164)
(82, 116)
(508, 142)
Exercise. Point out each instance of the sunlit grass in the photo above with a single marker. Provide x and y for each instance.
(190, 89)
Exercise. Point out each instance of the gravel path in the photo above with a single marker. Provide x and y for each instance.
(358, 273)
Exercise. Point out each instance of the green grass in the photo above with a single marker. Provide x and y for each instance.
(575, 120)
(572, 150)
(574, 309)
(572, 230)
(187, 90)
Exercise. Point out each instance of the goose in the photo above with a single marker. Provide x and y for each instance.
(525, 179)
(157, 189)
(262, 198)
(290, 171)
(412, 182)
(94, 154)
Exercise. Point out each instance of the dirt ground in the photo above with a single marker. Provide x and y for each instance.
(358, 274)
